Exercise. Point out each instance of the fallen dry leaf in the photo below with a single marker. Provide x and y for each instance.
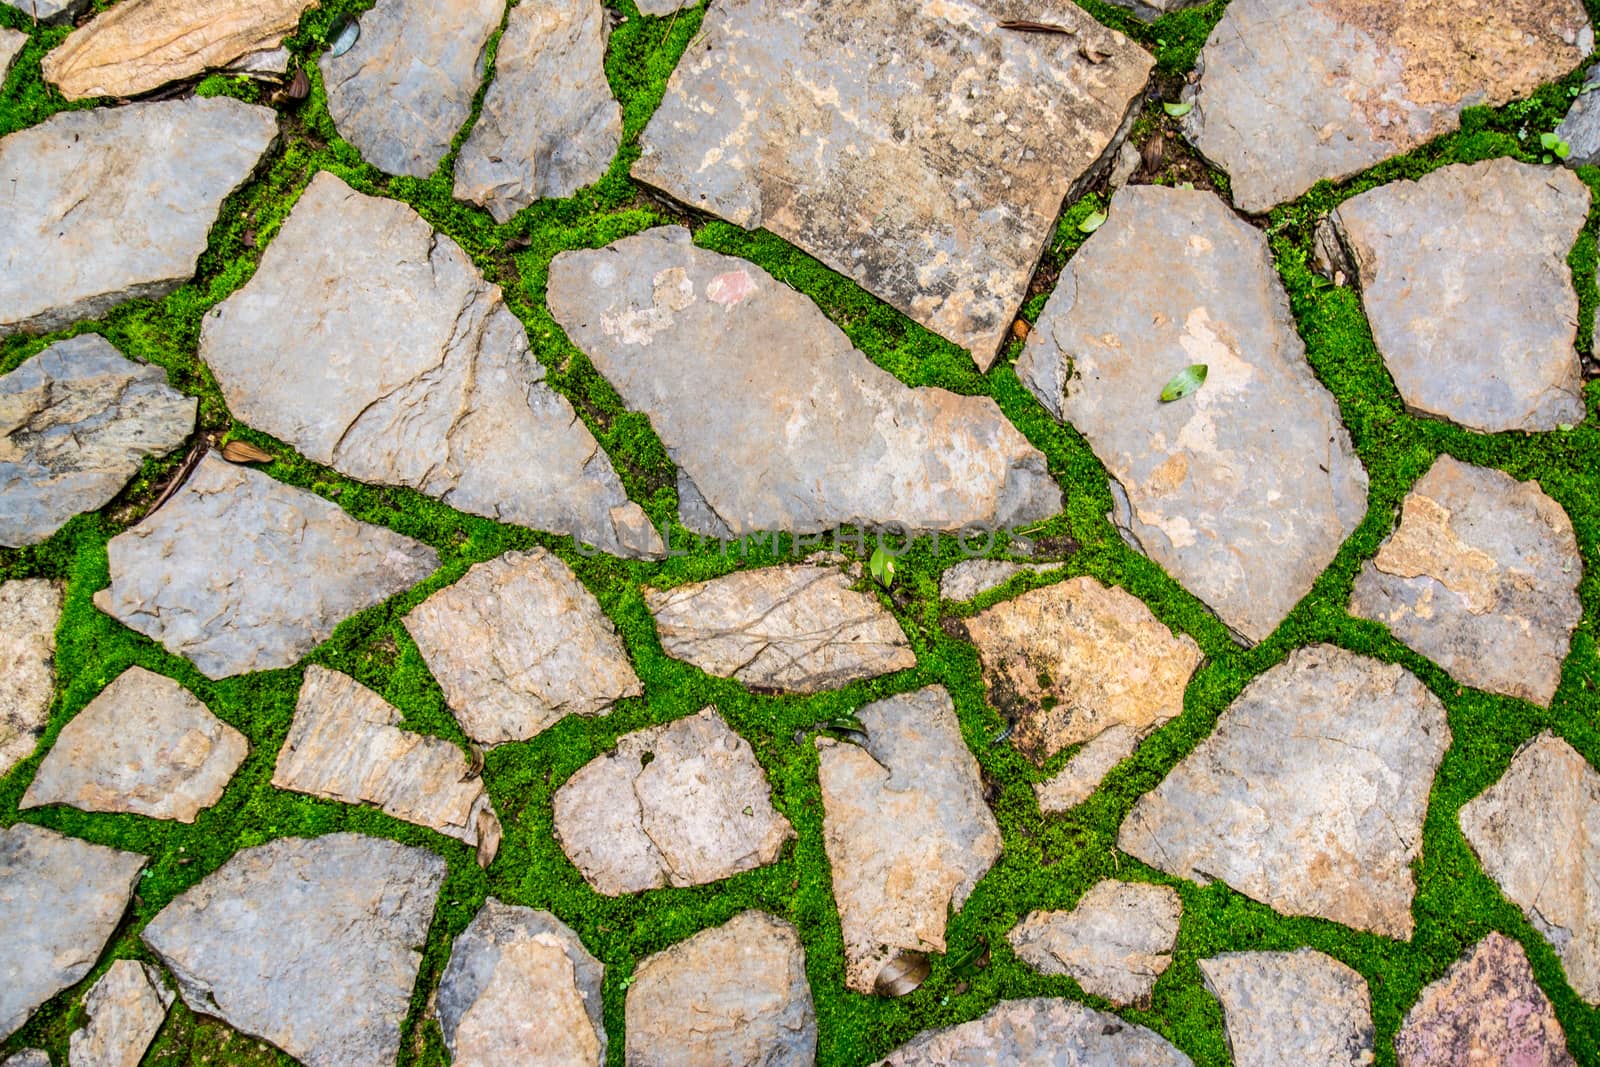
(245, 452)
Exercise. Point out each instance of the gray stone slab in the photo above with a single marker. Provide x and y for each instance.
(1116, 941)
(972, 578)
(1291, 1007)
(54, 12)
(30, 609)
(126, 1008)
(11, 44)
(1041, 1031)
(1581, 126)
(28, 1057)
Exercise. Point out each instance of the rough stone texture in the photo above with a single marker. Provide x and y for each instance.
(1310, 794)
(1150, 10)
(1293, 92)
(11, 45)
(145, 745)
(905, 827)
(60, 901)
(734, 995)
(972, 578)
(1291, 1007)
(798, 629)
(521, 989)
(54, 12)
(1086, 769)
(28, 1057)
(346, 744)
(126, 1008)
(240, 573)
(1581, 127)
(662, 7)
(29, 611)
(809, 434)
(1042, 1031)
(1481, 576)
(1537, 833)
(519, 643)
(919, 149)
(1244, 491)
(1116, 942)
(310, 944)
(681, 804)
(115, 204)
(1486, 1009)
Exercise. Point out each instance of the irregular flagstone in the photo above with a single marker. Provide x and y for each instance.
(518, 644)
(973, 577)
(1537, 833)
(28, 1057)
(1580, 129)
(29, 611)
(60, 901)
(796, 629)
(1481, 576)
(1310, 794)
(1043, 1031)
(11, 44)
(1291, 93)
(126, 1008)
(240, 573)
(1116, 942)
(520, 988)
(1244, 491)
(115, 204)
(921, 150)
(76, 421)
(1081, 776)
(310, 944)
(1291, 1007)
(371, 343)
(736, 994)
(662, 7)
(680, 804)
(905, 827)
(1150, 10)
(54, 12)
(813, 435)
(144, 745)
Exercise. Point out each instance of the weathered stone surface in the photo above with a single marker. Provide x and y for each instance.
(126, 1008)
(28, 1057)
(1581, 127)
(1291, 1007)
(905, 827)
(1086, 769)
(1150, 10)
(521, 989)
(519, 643)
(346, 744)
(1537, 833)
(923, 151)
(681, 804)
(1292, 92)
(145, 745)
(1310, 794)
(972, 578)
(1486, 1009)
(29, 611)
(60, 901)
(371, 343)
(815, 435)
(311, 944)
(240, 573)
(662, 7)
(1481, 576)
(1116, 942)
(1244, 491)
(406, 88)
(114, 204)
(799, 629)
(11, 45)
(1043, 1031)
(736, 994)
(50, 11)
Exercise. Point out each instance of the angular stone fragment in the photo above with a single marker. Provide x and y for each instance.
(371, 343)
(54, 12)
(28, 1057)
(921, 150)
(681, 804)
(1291, 1007)
(736, 994)
(1150, 10)
(1482, 577)
(29, 611)
(126, 1008)
(1292, 92)
(11, 44)
(1116, 942)
(662, 7)
(905, 827)
(310, 944)
(240, 573)
(972, 578)
(796, 629)
(115, 204)
(518, 644)
(1581, 127)
(521, 989)
(814, 435)
(1244, 491)
(1040, 1030)
(1310, 794)
(1081, 776)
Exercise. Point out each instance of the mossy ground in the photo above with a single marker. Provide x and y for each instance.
(1048, 862)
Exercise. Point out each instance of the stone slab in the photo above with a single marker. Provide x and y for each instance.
(1040, 1030)
(30, 609)
(1116, 941)
(1291, 1007)
(126, 1008)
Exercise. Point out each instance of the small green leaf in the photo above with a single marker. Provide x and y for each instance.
(1547, 158)
(1185, 383)
(967, 964)
(1179, 109)
(1562, 150)
(1548, 141)
(1093, 222)
(882, 567)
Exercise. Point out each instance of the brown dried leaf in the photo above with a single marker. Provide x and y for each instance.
(300, 87)
(475, 770)
(1026, 26)
(245, 452)
(902, 975)
(488, 829)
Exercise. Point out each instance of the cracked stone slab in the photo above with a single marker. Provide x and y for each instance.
(971, 578)
(144, 745)
(905, 828)
(76, 422)
(798, 629)
(1291, 1007)
(1291, 93)
(815, 435)
(1310, 794)
(52, 12)
(30, 608)
(1581, 126)
(371, 343)
(518, 644)
(921, 150)
(680, 804)
(240, 573)
(734, 994)
(28, 1057)
(1039, 1030)
(1481, 576)
(1116, 942)
(126, 1008)
(115, 204)
(1244, 491)
(311, 944)
(12, 43)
